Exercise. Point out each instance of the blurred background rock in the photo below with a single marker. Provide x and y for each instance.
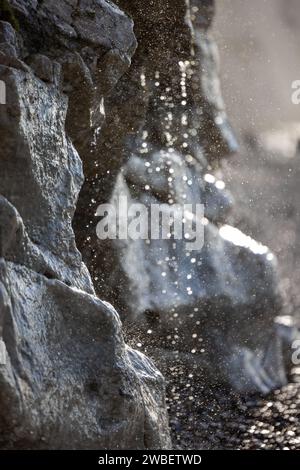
(259, 55)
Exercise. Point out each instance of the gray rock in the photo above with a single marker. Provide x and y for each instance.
(69, 381)
(11, 60)
(171, 133)
(42, 172)
(8, 49)
(99, 37)
(45, 69)
(67, 378)
(7, 33)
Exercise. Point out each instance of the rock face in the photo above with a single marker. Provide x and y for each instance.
(214, 308)
(67, 378)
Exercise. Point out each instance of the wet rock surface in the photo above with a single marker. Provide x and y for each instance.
(170, 133)
(150, 126)
(67, 378)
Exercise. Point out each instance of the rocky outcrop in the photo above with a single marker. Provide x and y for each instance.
(148, 121)
(213, 309)
(67, 378)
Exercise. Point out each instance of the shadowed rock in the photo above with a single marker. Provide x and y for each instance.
(67, 378)
(214, 309)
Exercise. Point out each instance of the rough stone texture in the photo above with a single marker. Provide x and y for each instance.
(67, 378)
(214, 308)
